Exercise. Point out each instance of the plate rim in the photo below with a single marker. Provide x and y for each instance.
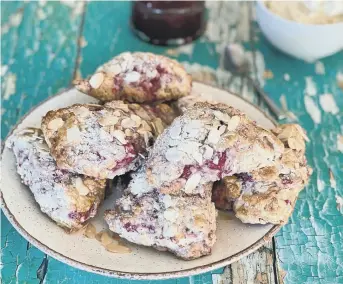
(131, 275)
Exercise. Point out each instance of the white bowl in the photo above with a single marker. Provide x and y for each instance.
(304, 41)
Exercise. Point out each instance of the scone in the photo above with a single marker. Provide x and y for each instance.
(268, 195)
(207, 143)
(98, 141)
(68, 199)
(138, 77)
(184, 225)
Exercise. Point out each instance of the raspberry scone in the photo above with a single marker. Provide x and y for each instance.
(207, 143)
(184, 225)
(68, 199)
(268, 195)
(138, 77)
(98, 141)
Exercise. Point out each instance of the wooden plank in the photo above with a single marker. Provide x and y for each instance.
(38, 44)
(309, 248)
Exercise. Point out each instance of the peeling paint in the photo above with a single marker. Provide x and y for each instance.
(328, 103)
(339, 202)
(14, 21)
(319, 68)
(310, 87)
(185, 49)
(76, 6)
(10, 85)
(320, 185)
(339, 78)
(312, 109)
(41, 14)
(286, 77)
(333, 183)
(4, 69)
(340, 143)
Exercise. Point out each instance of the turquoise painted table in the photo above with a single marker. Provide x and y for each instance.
(47, 44)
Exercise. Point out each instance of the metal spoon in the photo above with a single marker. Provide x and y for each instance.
(237, 63)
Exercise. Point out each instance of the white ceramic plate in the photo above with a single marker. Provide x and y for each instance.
(235, 239)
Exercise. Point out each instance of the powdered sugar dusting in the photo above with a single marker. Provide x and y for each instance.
(53, 189)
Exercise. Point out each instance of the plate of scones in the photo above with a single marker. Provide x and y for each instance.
(138, 172)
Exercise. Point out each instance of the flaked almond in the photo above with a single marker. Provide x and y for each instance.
(90, 231)
(96, 80)
(106, 239)
(98, 235)
(145, 126)
(117, 248)
(199, 221)
(132, 77)
(213, 136)
(158, 126)
(114, 69)
(128, 123)
(175, 131)
(81, 111)
(117, 113)
(208, 152)
(108, 120)
(174, 155)
(192, 182)
(136, 119)
(221, 116)
(120, 136)
(128, 132)
(302, 132)
(55, 124)
(73, 134)
(296, 143)
(233, 123)
(80, 186)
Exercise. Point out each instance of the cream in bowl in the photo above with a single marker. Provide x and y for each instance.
(308, 30)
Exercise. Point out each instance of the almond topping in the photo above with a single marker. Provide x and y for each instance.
(117, 248)
(128, 123)
(192, 182)
(120, 136)
(136, 119)
(108, 120)
(128, 132)
(106, 239)
(98, 235)
(233, 123)
(90, 231)
(55, 124)
(80, 186)
(96, 80)
(115, 69)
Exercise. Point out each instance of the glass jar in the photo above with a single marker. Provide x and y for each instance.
(168, 22)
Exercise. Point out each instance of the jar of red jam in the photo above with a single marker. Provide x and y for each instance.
(168, 22)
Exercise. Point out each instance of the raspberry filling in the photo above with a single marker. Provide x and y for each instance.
(82, 216)
(220, 167)
(131, 155)
(149, 85)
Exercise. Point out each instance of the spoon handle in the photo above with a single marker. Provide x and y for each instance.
(277, 112)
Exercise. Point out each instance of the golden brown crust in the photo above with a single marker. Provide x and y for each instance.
(268, 195)
(138, 77)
